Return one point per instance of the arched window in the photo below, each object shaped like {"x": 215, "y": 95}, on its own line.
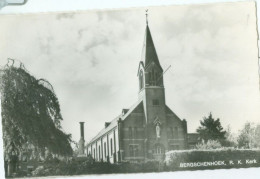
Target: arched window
{"x": 141, "y": 80}
{"x": 158, "y": 149}
{"x": 176, "y": 132}
{"x": 133, "y": 150}
{"x": 153, "y": 77}
{"x": 105, "y": 149}
{"x": 170, "y": 132}
{"x": 150, "y": 78}
{"x": 135, "y": 132}
{"x": 111, "y": 146}
{"x": 99, "y": 153}
{"x": 130, "y": 132}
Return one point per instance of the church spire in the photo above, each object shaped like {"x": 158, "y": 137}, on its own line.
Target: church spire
{"x": 150, "y": 72}
{"x": 149, "y": 54}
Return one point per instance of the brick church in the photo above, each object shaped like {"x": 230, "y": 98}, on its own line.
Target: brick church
{"x": 147, "y": 129}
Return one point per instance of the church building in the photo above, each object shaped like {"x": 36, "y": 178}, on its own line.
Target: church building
{"x": 149, "y": 128}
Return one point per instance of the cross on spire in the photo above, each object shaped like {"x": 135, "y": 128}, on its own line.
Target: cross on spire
{"x": 146, "y": 14}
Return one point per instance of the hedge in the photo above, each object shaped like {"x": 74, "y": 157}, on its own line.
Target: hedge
{"x": 87, "y": 167}
{"x": 175, "y": 160}
{"x": 212, "y": 159}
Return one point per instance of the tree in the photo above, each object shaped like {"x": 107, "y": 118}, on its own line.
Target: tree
{"x": 30, "y": 115}
{"x": 211, "y": 129}
{"x": 257, "y": 136}
{"x": 230, "y": 140}
{"x": 249, "y": 136}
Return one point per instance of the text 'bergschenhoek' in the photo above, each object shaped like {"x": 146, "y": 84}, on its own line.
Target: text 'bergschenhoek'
{"x": 218, "y": 163}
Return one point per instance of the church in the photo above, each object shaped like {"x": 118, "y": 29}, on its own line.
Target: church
{"x": 146, "y": 130}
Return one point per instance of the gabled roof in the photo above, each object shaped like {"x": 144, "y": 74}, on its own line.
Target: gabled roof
{"x": 169, "y": 111}
{"x": 114, "y": 122}
{"x": 141, "y": 65}
{"x": 106, "y": 129}
{"x": 149, "y": 54}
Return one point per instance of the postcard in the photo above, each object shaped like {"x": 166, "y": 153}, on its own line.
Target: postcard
{"x": 137, "y": 90}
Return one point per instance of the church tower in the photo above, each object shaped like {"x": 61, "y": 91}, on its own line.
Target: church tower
{"x": 150, "y": 75}
{"x": 152, "y": 93}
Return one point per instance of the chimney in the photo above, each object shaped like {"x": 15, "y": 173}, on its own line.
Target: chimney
{"x": 82, "y": 130}
{"x": 107, "y": 124}
{"x": 81, "y": 141}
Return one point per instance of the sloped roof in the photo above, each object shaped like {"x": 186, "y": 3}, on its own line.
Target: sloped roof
{"x": 169, "y": 111}
{"x": 114, "y": 122}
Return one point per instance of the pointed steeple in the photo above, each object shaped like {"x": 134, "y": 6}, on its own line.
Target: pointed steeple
{"x": 150, "y": 72}
{"x": 149, "y": 54}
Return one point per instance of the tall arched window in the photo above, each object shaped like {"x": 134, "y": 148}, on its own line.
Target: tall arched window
{"x": 176, "y": 132}
{"x": 141, "y": 80}
{"x": 105, "y": 150}
{"x": 135, "y": 132}
{"x": 111, "y": 146}
{"x": 158, "y": 149}
{"x": 131, "y": 150}
{"x": 170, "y": 132}
{"x": 153, "y": 77}
{"x": 130, "y": 132}
{"x": 99, "y": 153}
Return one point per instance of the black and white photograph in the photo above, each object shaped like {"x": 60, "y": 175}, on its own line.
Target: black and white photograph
{"x": 130, "y": 90}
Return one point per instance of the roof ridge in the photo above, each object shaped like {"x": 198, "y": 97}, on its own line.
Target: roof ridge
{"x": 112, "y": 122}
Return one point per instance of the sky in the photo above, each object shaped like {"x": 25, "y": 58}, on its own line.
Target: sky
{"x": 91, "y": 59}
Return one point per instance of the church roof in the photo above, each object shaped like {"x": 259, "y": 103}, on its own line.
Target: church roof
{"x": 169, "y": 111}
{"x": 113, "y": 123}
{"x": 149, "y": 54}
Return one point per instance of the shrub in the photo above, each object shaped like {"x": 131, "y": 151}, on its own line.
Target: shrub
{"x": 249, "y": 136}
{"x": 80, "y": 167}
{"x": 38, "y": 171}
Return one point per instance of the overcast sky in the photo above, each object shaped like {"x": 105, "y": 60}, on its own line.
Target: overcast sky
{"x": 91, "y": 59}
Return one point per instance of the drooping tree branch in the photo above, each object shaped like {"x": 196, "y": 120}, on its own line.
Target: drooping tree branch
{"x": 30, "y": 113}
